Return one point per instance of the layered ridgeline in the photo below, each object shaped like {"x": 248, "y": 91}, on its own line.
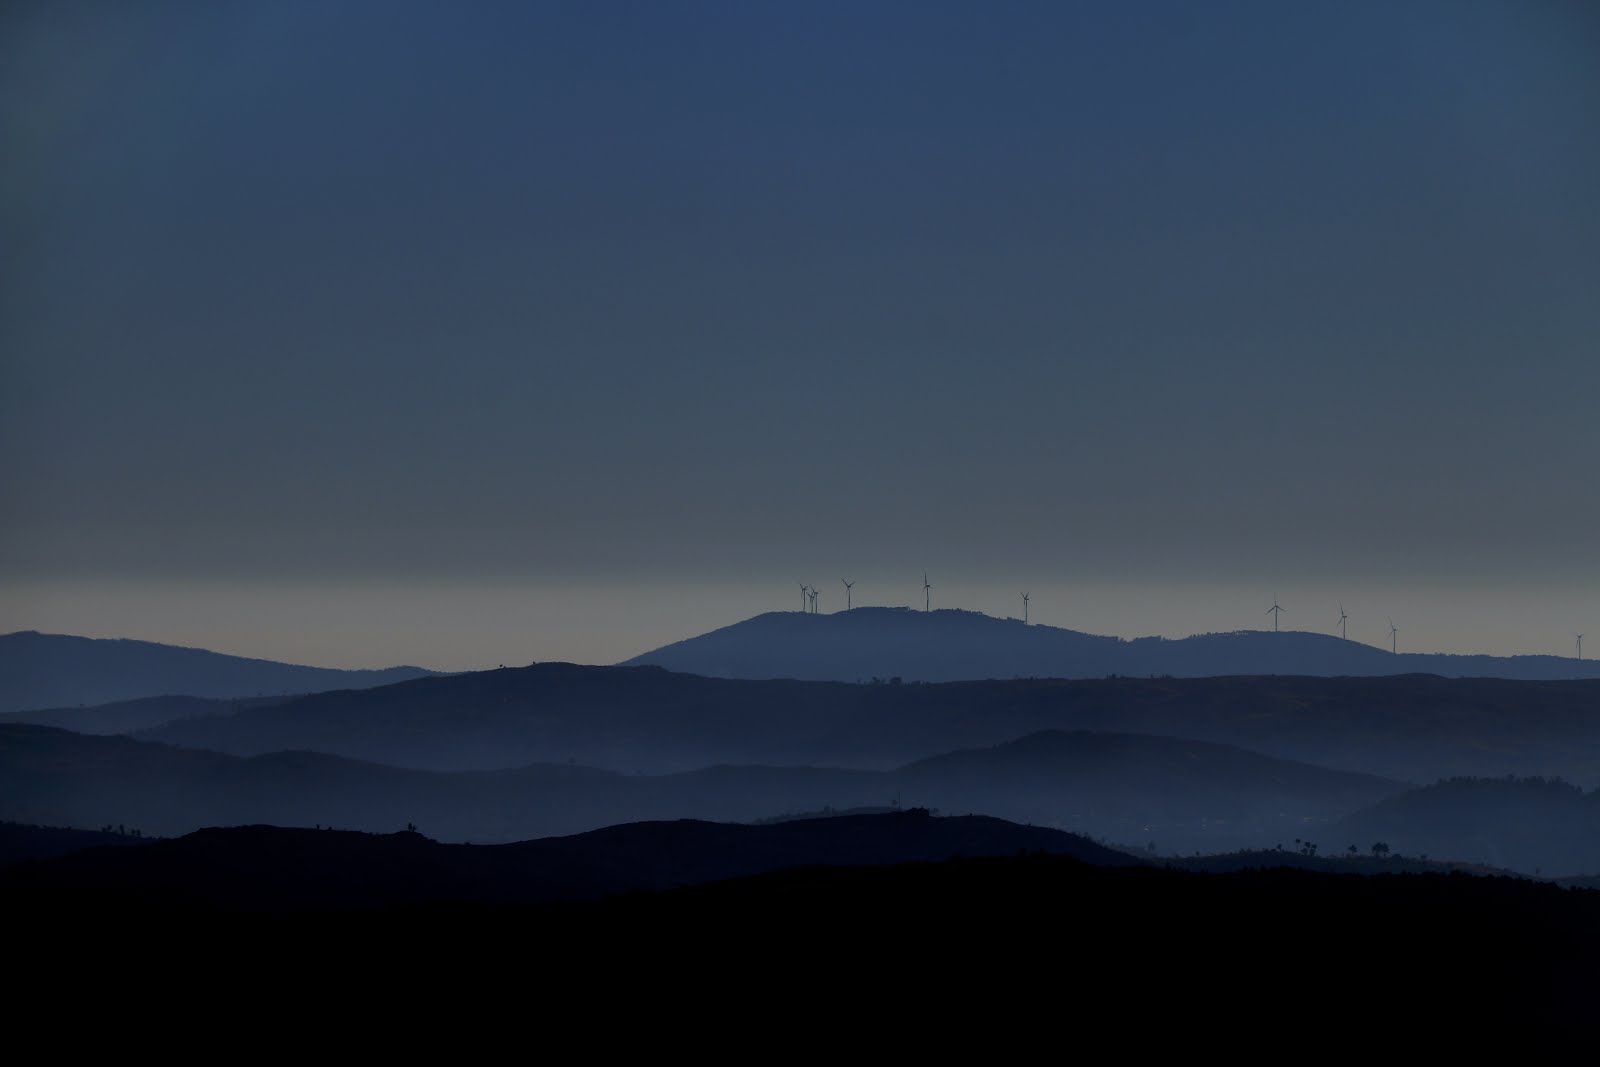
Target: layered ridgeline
{"x": 1416, "y": 728}
{"x": 57, "y": 671}
{"x": 280, "y": 869}
{"x": 1183, "y": 795}
{"x": 941, "y": 646}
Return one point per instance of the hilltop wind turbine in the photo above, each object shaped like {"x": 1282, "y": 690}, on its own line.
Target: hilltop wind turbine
{"x": 805, "y": 597}
{"x": 1024, "y": 609}
{"x": 1342, "y": 618}
{"x": 1274, "y": 611}
{"x": 1580, "y": 648}
{"x": 1394, "y": 633}
{"x": 813, "y": 595}
{"x": 927, "y": 594}
{"x": 847, "y": 586}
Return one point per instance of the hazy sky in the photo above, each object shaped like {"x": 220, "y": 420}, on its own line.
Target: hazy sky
{"x": 466, "y": 333}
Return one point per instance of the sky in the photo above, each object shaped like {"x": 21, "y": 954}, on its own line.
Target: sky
{"x": 362, "y": 333}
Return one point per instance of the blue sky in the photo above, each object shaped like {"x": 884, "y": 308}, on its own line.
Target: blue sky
{"x": 311, "y": 311}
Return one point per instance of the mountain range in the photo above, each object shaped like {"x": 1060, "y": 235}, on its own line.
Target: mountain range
{"x": 951, "y": 645}
{"x": 60, "y": 671}
{"x": 1181, "y": 795}
{"x": 1416, "y": 728}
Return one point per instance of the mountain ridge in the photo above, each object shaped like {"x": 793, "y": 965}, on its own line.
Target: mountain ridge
{"x": 956, "y": 645}
{"x": 1114, "y": 786}
{"x": 652, "y": 720}
{"x": 57, "y": 672}
{"x": 280, "y": 869}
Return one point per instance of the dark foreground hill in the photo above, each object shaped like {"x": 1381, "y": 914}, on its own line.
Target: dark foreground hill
{"x": 58, "y": 671}
{"x": 1182, "y": 795}
{"x": 970, "y": 955}
{"x": 947, "y": 646}
{"x": 21, "y": 842}
{"x": 1415, "y": 728}
{"x": 273, "y": 869}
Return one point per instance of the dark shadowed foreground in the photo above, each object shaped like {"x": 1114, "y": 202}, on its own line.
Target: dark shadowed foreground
{"x": 273, "y": 869}
{"x": 1004, "y": 950}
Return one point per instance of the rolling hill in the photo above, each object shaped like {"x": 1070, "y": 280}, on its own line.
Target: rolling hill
{"x": 950, "y": 645}
{"x": 1531, "y": 825}
{"x": 129, "y": 716}
{"x": 644, "y": 719}
{"x": 59, "y": 671}
{"x": 270, "y": 868}
{"x": 1184, "y": 795}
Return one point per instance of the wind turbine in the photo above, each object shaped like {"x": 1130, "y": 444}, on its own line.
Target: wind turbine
{"x": 1394, "y": 633}
{"x": 1024, "y": 609}
{"x": 1580, "y": 648}
{"x": 805, "y": 597}
{"x": 1342, "y": 617}
{"x": 847, "y": 586}
{"x": 1274, "y": 611}
{"x": 927, "y": 594}
{"x": 815, "y": 595}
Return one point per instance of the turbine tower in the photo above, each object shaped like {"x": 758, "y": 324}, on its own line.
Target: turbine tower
{"x": 1274, "y": 611}
{"x": 1394, "y": 633}
{"x": 847, "y": 586}
{"x": 927, "y": 594}
{"x": 1580, "y": 648}
{"x": 815, "y": 595}
{"x": 805, "y": 597}
{"x": 1342, "y": 618}
{"x": 1024, "y": 609}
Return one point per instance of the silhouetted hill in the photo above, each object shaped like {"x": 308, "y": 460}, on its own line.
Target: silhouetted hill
{"x": 954, "y": 953}
{"x": 269, "y": 868}
{"x": 949, "y": 645}
{"x": 1184, "y": 795}
{"x": 1414, "y": 728}
{"x": 56, "y": 671}
{"x": 1531, "y": 825}
{"x": 22, "y": 841}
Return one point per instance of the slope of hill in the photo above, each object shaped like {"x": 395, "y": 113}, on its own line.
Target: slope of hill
{"x": 1184, "y": 795}
{"x": 1134, "y": 787}
{"x": 20, "y": 842}
{"x": 1414, "y": 728}
{"x": 57, "y": 671}
{"x": 270, "y": 868}
{"x": 129, "y": 716}
{"x": 950, "y": 645}
{"x": 1531, "y": 825}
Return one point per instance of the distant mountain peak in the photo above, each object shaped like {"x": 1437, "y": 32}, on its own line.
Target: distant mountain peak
{"x": 954, "y": 644}
{"x": 48, "y": 671}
